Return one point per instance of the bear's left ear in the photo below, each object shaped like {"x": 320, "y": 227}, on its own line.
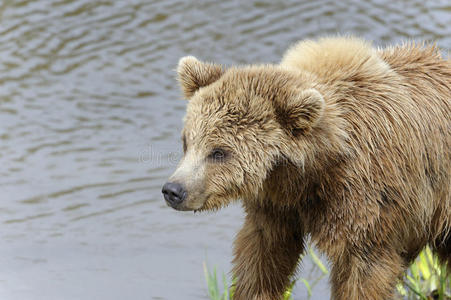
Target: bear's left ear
{"x": 194, "y": 74}
{"x": 301, "y": 111}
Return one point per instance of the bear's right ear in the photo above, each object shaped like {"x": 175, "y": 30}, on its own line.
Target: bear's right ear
{"x": 194, "y": 74}
{"x": 301, "y": 111}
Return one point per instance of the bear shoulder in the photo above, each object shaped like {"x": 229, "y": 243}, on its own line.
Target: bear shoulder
{"x": 336, "y": 58}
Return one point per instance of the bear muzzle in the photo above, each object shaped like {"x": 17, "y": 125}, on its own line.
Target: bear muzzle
{"x": 174, "y": 193}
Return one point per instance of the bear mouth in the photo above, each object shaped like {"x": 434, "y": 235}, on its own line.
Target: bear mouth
{"x": 185, "y": 205}
{"x": 203, "y": 207}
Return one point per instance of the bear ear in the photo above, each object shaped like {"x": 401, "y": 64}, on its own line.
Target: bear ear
{"x": 194, "y": 74}
{"x": 301, "y": 111}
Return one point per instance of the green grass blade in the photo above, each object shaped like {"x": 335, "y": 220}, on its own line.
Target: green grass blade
{"x": 401, "y": 290}
{"x": 287, "y": 295}
{"x": 442, "y": 284}
{"x": 427, "y": 251}
{"x": 318, "y": 262}
{"x": 415, "y": 272}
{"x": 215, "y": 282}
{"x": 416, "y": 291}
{"x": 225, "y": 295}
{"x": 424, "y": 266}
{"x": 307, "y": 285}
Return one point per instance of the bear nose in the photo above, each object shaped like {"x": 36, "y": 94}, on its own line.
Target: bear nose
{"x": 174, "y": 193}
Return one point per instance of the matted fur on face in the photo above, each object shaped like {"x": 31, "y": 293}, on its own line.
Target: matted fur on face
{"x": 223, "y": 156}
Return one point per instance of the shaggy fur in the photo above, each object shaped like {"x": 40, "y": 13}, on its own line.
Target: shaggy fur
{"x": 342, "y": 142}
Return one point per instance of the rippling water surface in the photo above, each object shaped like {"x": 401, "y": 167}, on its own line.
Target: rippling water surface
{"x": 90, "y": 116}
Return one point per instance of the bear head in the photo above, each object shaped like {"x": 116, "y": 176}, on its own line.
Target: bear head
{"x": 241, "y": 123}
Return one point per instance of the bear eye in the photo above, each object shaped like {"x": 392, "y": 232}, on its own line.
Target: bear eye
{"x": 217, "y": 154}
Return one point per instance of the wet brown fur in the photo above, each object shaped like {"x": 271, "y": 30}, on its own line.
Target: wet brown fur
{"x": 342, "y": 142}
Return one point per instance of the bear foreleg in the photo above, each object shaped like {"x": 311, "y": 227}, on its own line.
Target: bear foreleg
{"x": 266, "y": 251}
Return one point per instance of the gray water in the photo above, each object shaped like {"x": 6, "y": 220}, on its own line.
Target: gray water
{"x": 90, "y": 119}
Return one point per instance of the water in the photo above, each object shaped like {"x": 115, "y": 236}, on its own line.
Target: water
{"x": 90, "y": 119}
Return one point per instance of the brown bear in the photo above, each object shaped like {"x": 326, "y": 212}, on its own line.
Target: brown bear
{"x": 344, "y": 143}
